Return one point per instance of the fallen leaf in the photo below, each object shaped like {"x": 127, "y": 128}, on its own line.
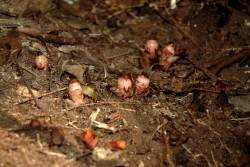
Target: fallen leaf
{"x": 90, "y": 92}
{"x": 76, "y": 70}
{"x": 14, "y": 40}
{"x": 23, "y": 91}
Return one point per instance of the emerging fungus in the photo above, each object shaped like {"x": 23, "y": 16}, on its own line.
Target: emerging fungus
{"x": 167, "y": 58}
{"x": 41, "y": 62}
{"x": 57, "y": 136}
{"x": 124, "y": 87}
{"x": 124, "y": 83}
{"x": 149, "y": 52}
{"x": 141, "y": 83}
{"x": 35, "y": 123}
{"x": 75, "y": 92}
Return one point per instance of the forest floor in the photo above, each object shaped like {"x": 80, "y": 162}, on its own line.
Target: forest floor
{"x": 196, "y": 113}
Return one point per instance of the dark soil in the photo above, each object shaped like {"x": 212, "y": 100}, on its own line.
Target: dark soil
{"x": 194, "y": 114}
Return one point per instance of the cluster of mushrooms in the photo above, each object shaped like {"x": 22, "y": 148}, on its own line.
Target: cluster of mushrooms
{"x": 151, "y": 54}
{"x": 124, "y": 89}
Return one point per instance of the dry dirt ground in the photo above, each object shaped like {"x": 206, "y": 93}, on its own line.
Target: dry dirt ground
{"x": 196, "y": 114}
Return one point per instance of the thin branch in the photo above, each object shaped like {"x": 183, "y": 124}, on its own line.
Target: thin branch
{"x": 124, "y": 53}
{"x": 46, "y": 94}
{"x": 214, "y": 62}
{"x": 52, "y": 153}
{"x": 76, "y": 158}
{"x": 228, "y": 61}
{"x": 169, "y": 159}
{"x": 203, "y": 89}
{"x": 170, "y": 19}
{"x": 239, "y": 119}
{"x": 99, "y": 103}
{"x": 26, "y": 69}
{"x": 209, "y": 73}
{"x": 27, "y": 85}
{"x": 215, "y": 163}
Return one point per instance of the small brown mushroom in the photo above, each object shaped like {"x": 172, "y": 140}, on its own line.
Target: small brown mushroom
{"x": 57, "y": 136}
{"x": 35, "y": 123}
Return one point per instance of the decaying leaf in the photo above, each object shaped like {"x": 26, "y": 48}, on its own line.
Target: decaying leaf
{"x": 76, "y": 70}
{"x": 14, "y": 40}
{"x": 88, "y": 57}
{"x": 29, "y": 31}
{"x": 78, "y": 24}
{"x": 23, "y": 91}
{"x": 4, "y": 52}
{"x": 76, "y": 8}
{"x": 92, "y": 117}
{"x": 90, "y": 92}
{"x": 7, "y": 23}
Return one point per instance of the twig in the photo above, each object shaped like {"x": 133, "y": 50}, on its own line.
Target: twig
{"x": 194, "y": 156}
{"x": 101, "y": 125}
{"x": 94, "y": 60}
{"x": 157, "y": 128}
{"x": 211, "y": 129}
{"x": 127, "y": 109}
{"x": 49, "y": 37}
{"x": 124, "y": 53}
{"x": 72, "y": 124}
{"x": 239, "y": 119}
{"x": 214, "y": 78}
{"x": 92, "y": 118}
{"x": 38, "y": 141}
{"x": 215, "y": 163}
{"x": 175, "y": 24}
{"x": 27, "y": 85}
{"x": 76, "y": 158}
{"x": 52, "y": 153}
{"x": 199, "y": 121}
{"x": 168, "y": 152}
{"x": 25, "y": 156}
{"x": 26, "y": 69}
{"x": 187, "y": 34}
{"x": 99, "y": 103}
{"x": 227, "y": 61}
{"x": 7, "y": 80}
{"x": 214, "y": 62}
{"x": 202, "y": 89}
{"x": 46, "y": 94}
